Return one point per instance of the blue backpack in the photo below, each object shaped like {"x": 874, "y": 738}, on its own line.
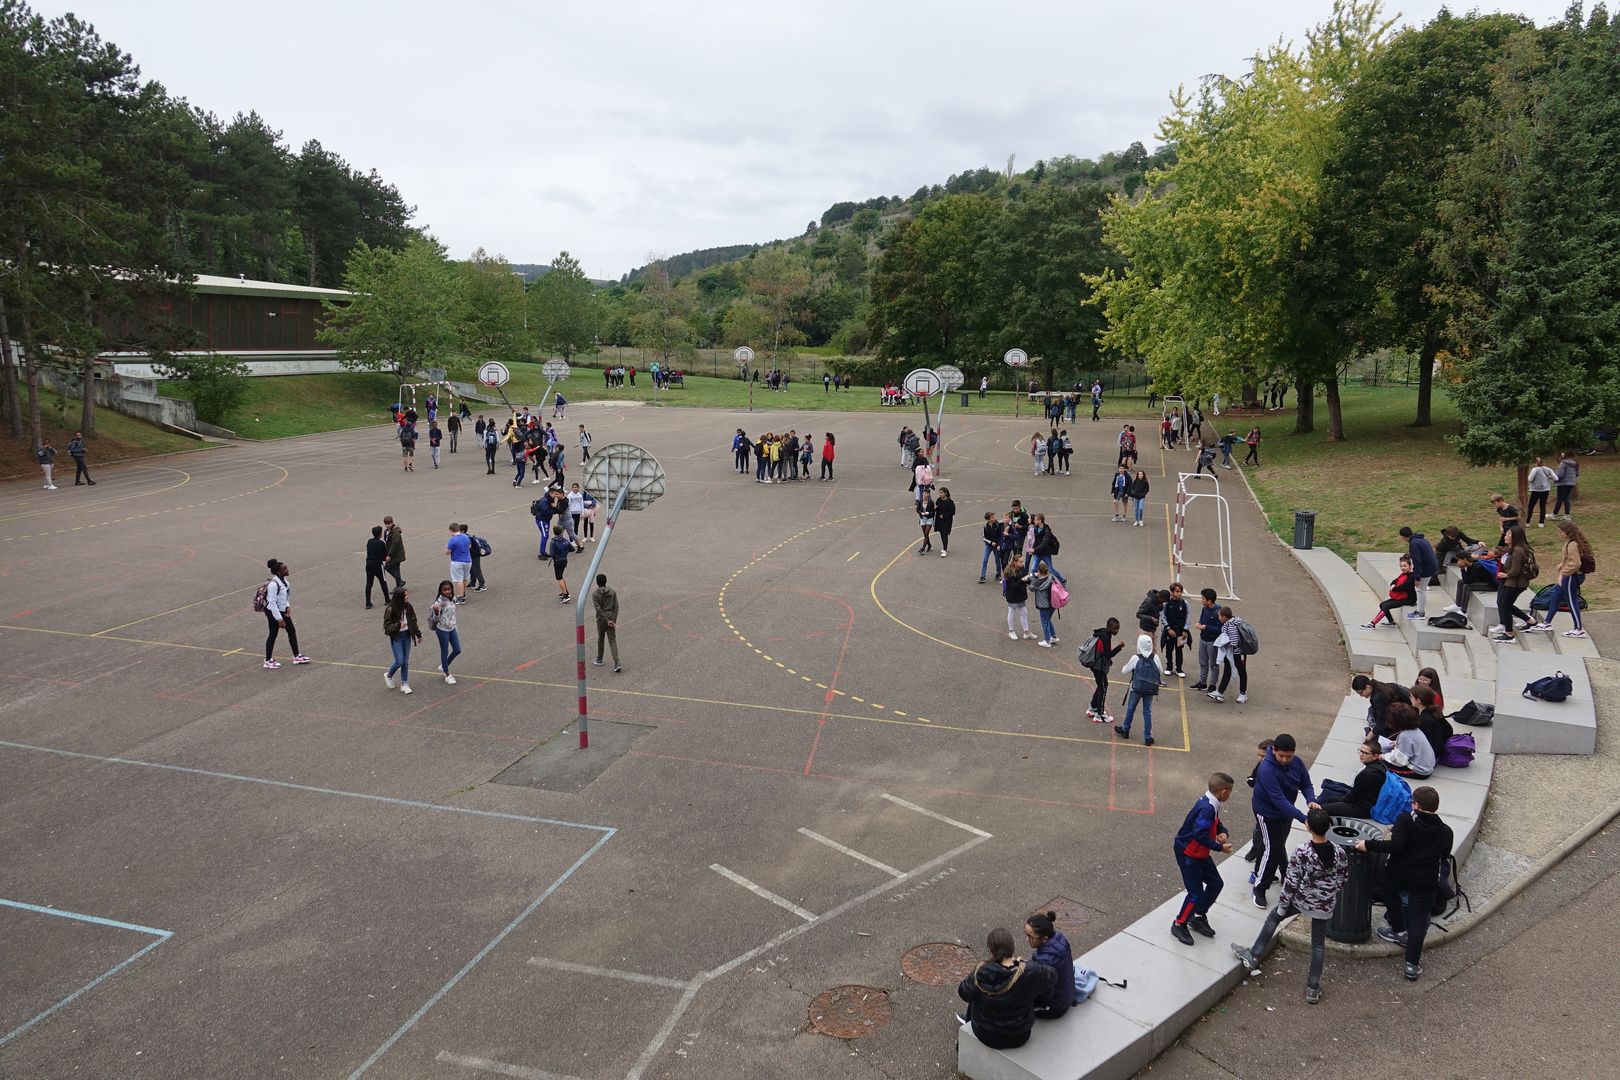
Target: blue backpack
{"x": 1145, "y": 676}
{"x": 1394, "y": 799}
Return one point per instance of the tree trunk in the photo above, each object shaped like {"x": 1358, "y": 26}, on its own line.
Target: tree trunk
{"x": 309, "y": 247}
{"x": 1425, "y": 380}
{"x": 87, "y": 379}
{"x": 1335, "y": 410}
{"x": 31, "y": 377}
{"x": 1522, "y": 484}
{"x": 1305, "y": 416}
{"x": 1250, "y": 393}
{"x": 8, "y": 376}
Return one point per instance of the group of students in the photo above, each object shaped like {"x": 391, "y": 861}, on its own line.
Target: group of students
{"x": 535, "y": 446}
{"x": 1406, "y": 726}
{"x": 1051, "y": 452}
{"x": 779, "y": 458}
{"x": 1505, "y": 570}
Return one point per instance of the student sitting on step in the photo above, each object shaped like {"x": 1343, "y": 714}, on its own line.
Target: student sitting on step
{"x": 1402, "y": 593}
{"x": 1379, "y": 695}
{"x": 1001, "y": 994}
{"x": 1365, "y": 787}
{"x": 1406, "y": 749}
{"x": 1478, "y": 569}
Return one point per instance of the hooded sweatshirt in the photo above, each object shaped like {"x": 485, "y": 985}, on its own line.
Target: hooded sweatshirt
{"x": 1144, "y": 651}
{"x": 1276, "y": 786}
{"x": 1415, "y": 848}
{"x": 1003, "y": 1000}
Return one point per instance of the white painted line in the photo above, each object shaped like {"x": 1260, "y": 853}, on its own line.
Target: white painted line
{"x": 938, "y": 817}
{"x": 852, "y": 853}
{"x": 608, "y": 973}
{"x": 779, "y": 901}
{"x": 499, "y": 1068}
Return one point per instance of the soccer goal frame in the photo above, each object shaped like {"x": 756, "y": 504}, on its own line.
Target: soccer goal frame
{"x": 1223, "y": 531}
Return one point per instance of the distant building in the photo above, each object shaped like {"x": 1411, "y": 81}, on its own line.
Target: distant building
{"x": 270, "y": 326}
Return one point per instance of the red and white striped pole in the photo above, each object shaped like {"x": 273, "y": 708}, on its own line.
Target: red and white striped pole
{"x": 1180, "y": 527}
{"x": 579, "y": 617}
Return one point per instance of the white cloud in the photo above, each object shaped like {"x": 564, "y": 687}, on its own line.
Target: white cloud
{"x": 615, "y": 128}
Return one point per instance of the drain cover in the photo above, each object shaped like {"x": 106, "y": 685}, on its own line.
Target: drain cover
{"x": 939, "y": 963}
{"x": 1071, "y": 914}
{"x": 850, "y": 1012}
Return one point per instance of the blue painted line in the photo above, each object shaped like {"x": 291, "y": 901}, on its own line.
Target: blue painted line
{"x": 92, "y": 984}
{"x": 413, "y": 803}
{"x": 80, "y": 917}
{"x": 496, "y": 940}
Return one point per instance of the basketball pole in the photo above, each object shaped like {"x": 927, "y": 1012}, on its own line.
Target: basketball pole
{"x": 579, "y": 615}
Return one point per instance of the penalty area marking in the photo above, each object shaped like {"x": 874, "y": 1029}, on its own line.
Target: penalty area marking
{"x": 759, "y": 890}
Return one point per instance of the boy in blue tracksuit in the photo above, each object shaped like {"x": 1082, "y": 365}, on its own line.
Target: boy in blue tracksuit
{"x": 1201, "y": 835}
{"x": 1278, "y": 782}
{"x": 1425, "y": 569}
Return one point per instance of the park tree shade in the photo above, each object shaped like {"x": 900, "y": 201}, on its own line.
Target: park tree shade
{"x": 492, "y": 323}
{"x": 406, "y": 313}
{"x": 563, "y": 309}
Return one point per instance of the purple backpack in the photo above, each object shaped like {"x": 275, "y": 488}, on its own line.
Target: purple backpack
{"x": 1459, "y": 752}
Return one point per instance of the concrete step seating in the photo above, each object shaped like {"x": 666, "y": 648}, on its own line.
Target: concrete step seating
{"x": 1353, "y": 602}
{"x": 1529, "y": 726}
{"x": 1378, "y": 569}
{"x": 1118, "y": 1032}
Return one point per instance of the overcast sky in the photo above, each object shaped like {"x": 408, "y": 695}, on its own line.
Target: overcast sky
{"x": 616, "y": 130}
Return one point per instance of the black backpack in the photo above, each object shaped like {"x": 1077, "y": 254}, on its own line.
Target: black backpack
{"x": 1556, "y": 687}
{"x": 537, "y": 508}
{"x": 1451, "y": 620}
{"x": 1474, "y": 714}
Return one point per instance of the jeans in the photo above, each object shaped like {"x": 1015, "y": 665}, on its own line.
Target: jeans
{"x": 759, "y": 468}
{"x": 1564, "y": 504}
{"x": 1568, "y": 588}
{"x": 392, "y": 567}
{"x": 1408, "y": 912}
{"x": 984, "y": 563}
{"x": 489, "y": 461}
{"x": 1047, "y": 559}
{"x": 449, "y": 648}
{"x": 433, "y": 452}
{"x": 402, "y": 657}
{"x": 1203, "y": 882}
{"x": 1138, "y": 503}
{"x": 1146, "y": 700}
{"x": 1047, "y": 633}
{"x": 522, "y": 468}
{"x": 1274, "y": 917}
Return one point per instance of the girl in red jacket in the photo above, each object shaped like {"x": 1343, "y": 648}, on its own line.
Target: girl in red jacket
{"x": 1402, "y": 593}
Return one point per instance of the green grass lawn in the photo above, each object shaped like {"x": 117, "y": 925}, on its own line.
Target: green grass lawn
{"x": 118, "y": 438}
{"x": 282, "y": 405}
{"x": 1387, "y": 474}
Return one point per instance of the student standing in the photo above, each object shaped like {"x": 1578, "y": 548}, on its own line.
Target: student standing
{"x": 1542, "y": 481}
{"x": 1278, "y": 782}
{"x": 435, "y": 440}
{"x": 584, "y": 446}
{"x": 492, "y": 443}
{"x": 1044, "y": 544}
{"x": 1317, "y": 873}
{"x": 459, "y": 548}
{"x": 1253, "y": 439}
{"x": 278, "y": 613}
{"x": 376, "y": 555}
{"x": 76, "y": 450}
{"x": 605, "y": 602}
{"x": 827, "y": 452}
{"x": 1518, "y": 569}
{"x": 1568, "y": 475}
{"x": 1575, "y": 562}
{"x": 475, "y": 546}
{"x": 1142, "y": 670}
{"x": 1105, "y": 651}
{"x": 925, "y": 518}
{"x": 1417, "y": 844}
{"x": 1040, "y": 583}
{"x": 1425, "y": 569}
{"x": 1209, "y": 639}
{"x": 992, "y": 545}
{"x": 1037, "y": 452}
{"x": 1173, "y": 638}
{"x": 1119, "y": 488}
{"x": 1200, "y": 836}
{"x": 453, "y": 425}
{"x": 740, "y": 451}
{"x": 442, "y": 621}
{"x": 394, "y": 538}
{"x": 403, "y": 631}
{"x": 1139, "y": 492}
{"x": 1232, "y": 657}
{"x": 1015, "y": 590}
{"x": 407, "y": 445}
{"x": 944, "y": 518}
{"x": 1507, "y": 515}
{"x": 46, "y": 456}
{"x": 560, "y": 549}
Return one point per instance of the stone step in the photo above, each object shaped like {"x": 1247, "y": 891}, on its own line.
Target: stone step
{"x": 1456, "y": 661}
{"x": 1528, "y": 726}
{"x": 1352, "y": 603}
{"x": 1434, "y": 658}
{"x": 1482, "y": 657}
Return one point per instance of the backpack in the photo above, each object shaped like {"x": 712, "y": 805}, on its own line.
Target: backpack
{"x": 43, "y": 456}
{"x": 1090, "y": 652}
{"x": 1052, "y": 536}
{"x": 481, "y": 546}
{"x": 1543, "y": 600}
{"x": 1248, "y": 640}
{"x": 1060, "y": 595}
{"x": 1145, "y": 676}
{"x": 1448, "y": 889}
{"x": 1588, "y": 564}
{"x": 261, "y": 597}
{"x": 1451, "y": 620}
{"x": 1085, "y": 983}
{"x": 1394, "y": 799}
{"x": 1550, "y": 688}
{"x": 1474, "y": 714}
{"x": 1532, "y": 569}
{"x": 490, "y": 438}
{"x": 1458, "y": 752}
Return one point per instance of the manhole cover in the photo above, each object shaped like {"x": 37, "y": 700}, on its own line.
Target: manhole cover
{"x": 1071, "y": 915}
{"x": 850, "y": 1012}
{"x": 939, "y": 963}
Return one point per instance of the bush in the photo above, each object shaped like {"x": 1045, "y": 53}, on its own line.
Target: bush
{"x": 218, "y": 384}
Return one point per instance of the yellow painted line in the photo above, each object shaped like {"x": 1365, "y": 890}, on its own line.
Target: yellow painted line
{"x": 856, "y": 697}
{"x": 233, "y": 652}
{"x": 199, "y": 603}
{"x": 852, "y": 557}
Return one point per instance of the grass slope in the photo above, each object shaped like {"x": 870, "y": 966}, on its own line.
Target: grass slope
{"x": 282, "y": 405}
{"x": 1388, "y": 474}
{"x": 118, "y": 438}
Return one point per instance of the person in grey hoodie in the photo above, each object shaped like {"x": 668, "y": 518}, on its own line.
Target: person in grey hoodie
{"x": 1565, "y": 479}
{"x": 1316, "y": 875}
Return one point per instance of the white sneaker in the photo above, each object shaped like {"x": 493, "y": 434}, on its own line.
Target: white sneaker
{"x": 1497, "y": 629}
{"x": 1044, "y": 644}
{"x": 1455, "y": 610}
{"x": 1242, "y": 697}
{"x": 1416, "y": 615}
{"x": 942, "y": 554}
{"x": 1215, "y": 695}
{"x": 1369, "y": 626}
{"x": 1029, "y": 636}
{"x": 450, "y": 680}
{"x": 1056, "y": 640}
{"x": 405, "y": 688}
{"x": 1012, "y": 635}
{"x": 272, "y": 664}
{"x": 388, "y": 680}
{"x": 1574, "y": 633}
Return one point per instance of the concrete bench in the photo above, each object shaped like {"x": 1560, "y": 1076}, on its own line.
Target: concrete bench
{"x": 1381, "y": 567}
{"x": 1527, "y": 726}
{"x": 1353, "y": 602}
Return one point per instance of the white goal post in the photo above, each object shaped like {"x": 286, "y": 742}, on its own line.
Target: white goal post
{"x": 1223, "y": 531}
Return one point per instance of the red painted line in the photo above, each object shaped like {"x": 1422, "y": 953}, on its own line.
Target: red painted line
{"x": 527, "y": 664}
{"x": 20, "y": 614}
{"x": 832, "y": 681}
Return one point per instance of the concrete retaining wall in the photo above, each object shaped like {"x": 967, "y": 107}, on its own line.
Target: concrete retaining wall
{"x": 139, "y": 399}
{"x": 322, "y": 363}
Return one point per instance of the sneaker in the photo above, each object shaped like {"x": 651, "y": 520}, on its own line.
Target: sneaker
{"x": 300, "y": 659}
{"x": 1044, "y": 644}
{"x": 388, "y": 680}
{"x": 1122, "y": 731}
{"x": 1455, "y": 610}
{"x": 1200, "y": 925}
{"x": 461, "y": 599}
{"x": 1029, "y": 636}
{"x": 1199, "y": 685}
{"x": 565, "y": 598}
{"x": 1501, "y": 637}
{"x": 1147, "y": 741}
{"x": 981, "y": 581}
{"x": 617, "y": 669}
{"x": 1180, "y": 932}
{"x": 1369, "y": 626}
{"x": 1258, "y": 899}
{"x": 449, "y": 680}
{"x": 942, "y": 554}
{"x": 1242, "y": 698}
{"x": 1392, "y": 936}
{"x": 405, "y": 688}
{"x": 478, "y": 588}
{"x": 1497, "y": 629}
{"x": 1412, "y": 971}
{"x": 1541, "y": 627}
{"x": 1416, "y": 615}
{"x": 272, "y": 664}
{"x": 1058, "y": 639}
{"x": 1107, "y": 717}
{"x": 1012, "y": 635}
{"x": 1215, "y": 695}
{"x": 1246, "y": 958}
{"x": 1181, "y": 674}
{"x": 1313, "y": 995}
{"x": 596, "y": 663}
{"x": 1254, "y": 875}
{"x": 1575, "y": 633}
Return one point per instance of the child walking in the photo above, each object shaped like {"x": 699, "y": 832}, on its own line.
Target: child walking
{"x": 1316, "y": 875}
{"x": 442, "y": 621}
{"x": 1103, "y": 652}
{"x": 1201, "y": 835}
{"x": 1015, "y": 588}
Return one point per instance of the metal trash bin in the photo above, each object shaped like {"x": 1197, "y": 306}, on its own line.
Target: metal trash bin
{"x": 1304, "y": 529}
{"x": 1352, "y": 917}
{"x": 964, "y": 401}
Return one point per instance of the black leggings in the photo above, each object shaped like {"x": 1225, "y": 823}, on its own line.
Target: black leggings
{"x": 1241, "y": 662}
{"x": 826, "y": 469}
{"x": 1099, "y": 697}
{"x": 944, "y": 535}
{"x": 1536, "y": 497}
{"x": 270, "y": 638}
{"x": 1507, "y": 607}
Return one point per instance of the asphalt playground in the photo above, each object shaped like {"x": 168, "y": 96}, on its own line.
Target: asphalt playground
{"x": 823, "y": 753}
